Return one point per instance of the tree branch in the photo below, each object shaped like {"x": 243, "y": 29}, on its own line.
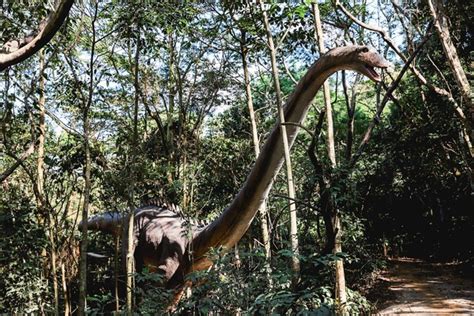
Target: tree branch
{"x": 419, "y": 76}
{"x": 387, "y": 96}
{"x": 20, "y": 50}
{"x": 18, "y": 161}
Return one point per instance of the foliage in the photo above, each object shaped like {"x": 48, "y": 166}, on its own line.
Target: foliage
{"x": 227, "y": 288}
{"x": 23, "y": 242}
{"x": 409, "y": 193}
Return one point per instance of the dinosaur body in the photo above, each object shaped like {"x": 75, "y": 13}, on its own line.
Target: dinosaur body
{"x": 161, "y": 242}
{"x": 162, "y": 237}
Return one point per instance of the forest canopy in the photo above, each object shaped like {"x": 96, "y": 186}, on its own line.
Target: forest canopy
{"x": 141, "y": 144}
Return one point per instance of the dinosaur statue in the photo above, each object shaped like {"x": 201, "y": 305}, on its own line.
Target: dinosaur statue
{"x": 162, "y": 242}
{"x": 161, "y": 233}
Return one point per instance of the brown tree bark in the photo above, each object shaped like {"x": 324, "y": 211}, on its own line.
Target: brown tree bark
{"x": 67, "y": 307}
{"x": 117, "y": 273}
{"x": 319, "y": 37}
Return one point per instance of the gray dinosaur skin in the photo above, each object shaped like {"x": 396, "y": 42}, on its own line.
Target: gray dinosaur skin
{"x": 162, "y": 243}
{"x": 162, "y": 238}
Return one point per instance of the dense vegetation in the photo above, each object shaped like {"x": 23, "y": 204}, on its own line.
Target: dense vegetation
{"x": 133, "y": 100}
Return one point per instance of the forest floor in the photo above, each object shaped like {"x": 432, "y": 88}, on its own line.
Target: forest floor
{"x": 415, "y": 287}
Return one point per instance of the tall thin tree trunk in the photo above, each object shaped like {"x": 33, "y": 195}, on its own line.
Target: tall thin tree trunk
{"x": 256, "y": 144}
{"x": 319, "y": 37}
{"x": 186, "y": 181}
{"x": 85, "y": 215}
{"x": 295, "y": 263}
{"x": 350, "y": 106}
{"x": 133, "y": 179}
{"x": 67, "y": 307}
{"x": 40, "y": 182}
{"x": 129, "y": 261}
{"x": 87, "y": 175}
{"x": 116, "y": 273}
{"x": 341, "y": 295}
{"x": 171, "y": 85}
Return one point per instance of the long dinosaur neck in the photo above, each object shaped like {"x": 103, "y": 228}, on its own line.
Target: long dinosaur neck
{"x": 232, "y": 224}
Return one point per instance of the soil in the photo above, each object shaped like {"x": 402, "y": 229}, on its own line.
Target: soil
{"x": 415, "y": 287}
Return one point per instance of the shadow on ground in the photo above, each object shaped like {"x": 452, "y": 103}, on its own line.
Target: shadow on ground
{"x": 411, "y": 286}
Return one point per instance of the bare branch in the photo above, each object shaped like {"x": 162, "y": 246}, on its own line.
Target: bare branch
{"x": 467, "y": 124}
{"x": 387, "y": 96}
{"x": 288, "y": 72}
{"x": 18, "y": 162}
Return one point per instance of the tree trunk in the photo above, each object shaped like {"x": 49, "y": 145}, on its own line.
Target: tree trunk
{"x": 319, "y": 37}
{"x": 256, "y": 144}
{"x": 85, "y": 215}
{"x": 350, "y": 107}
{"x": 40, "y": 182}
{"x": 67, "y": 307}
{"x": 295, "y": 263}
{"x": 133, "y": 178}
{"x": 341, "y": 296}
{"x": 171, "y": 85}
{"x": 87, "y": 175}
{"x": 129, "y": 261}
{"x": 117, "y": 273}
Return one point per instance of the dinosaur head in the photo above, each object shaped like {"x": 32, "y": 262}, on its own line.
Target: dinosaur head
{"x": 364, "y": 60}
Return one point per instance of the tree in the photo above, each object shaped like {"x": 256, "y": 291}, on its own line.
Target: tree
{"x": 418, "y": 75}
{"x": 441, "y": 25}
{"x": 341, "y": 295}
{"x": 176, "y": 99}
{"x": 286, "y": 148}
{"x": 256, "y": 143}
{"x": 40, "y": 182}
{"x": 86, "y": 106}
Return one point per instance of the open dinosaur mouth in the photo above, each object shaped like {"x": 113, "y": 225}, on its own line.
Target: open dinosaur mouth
{"x": 372, "y": 73}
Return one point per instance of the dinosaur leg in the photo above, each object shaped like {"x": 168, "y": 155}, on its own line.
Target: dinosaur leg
{"x": 178, "y": 295}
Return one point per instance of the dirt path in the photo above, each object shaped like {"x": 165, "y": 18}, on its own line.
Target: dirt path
{"x": 415, "y": 287}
